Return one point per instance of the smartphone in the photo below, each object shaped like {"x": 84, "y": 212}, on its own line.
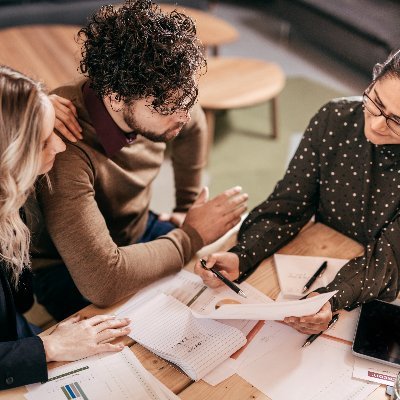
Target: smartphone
{"x": 377, "y": 334}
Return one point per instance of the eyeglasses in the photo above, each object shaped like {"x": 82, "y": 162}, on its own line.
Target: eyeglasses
{"x": 376, "y": 111}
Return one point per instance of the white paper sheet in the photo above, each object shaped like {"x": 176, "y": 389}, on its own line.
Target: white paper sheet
{"x": 279, "y": 367}
{"x": 167, "y": 328}
{"x": 117, "y": 376}
{"x": 269, "y": 311}
{"x": 294, "y": 272}
{"x": 374, "y": 372}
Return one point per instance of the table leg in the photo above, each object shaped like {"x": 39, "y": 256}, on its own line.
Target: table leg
{"x": 274, "y": 117}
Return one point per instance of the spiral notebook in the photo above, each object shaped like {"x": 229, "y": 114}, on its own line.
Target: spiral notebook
{"x": 167, "y": 328}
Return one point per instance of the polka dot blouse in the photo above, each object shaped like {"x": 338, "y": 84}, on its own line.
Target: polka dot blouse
{"x": 349, "y": 184}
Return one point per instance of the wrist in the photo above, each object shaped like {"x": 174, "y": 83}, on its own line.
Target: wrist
{"x": 50, "y": 348}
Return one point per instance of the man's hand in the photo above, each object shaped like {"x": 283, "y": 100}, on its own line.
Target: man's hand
{"x": 312, "y": 324}
{"x": 227, "y": 263}
{"x": 213, "y": 218}
{"x": 66, "y": 118}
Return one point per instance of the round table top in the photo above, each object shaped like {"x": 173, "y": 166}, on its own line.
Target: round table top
{"x": 239, "y": 82}
{"x": 47, "y": 53}
{"x": 211, "y": 30}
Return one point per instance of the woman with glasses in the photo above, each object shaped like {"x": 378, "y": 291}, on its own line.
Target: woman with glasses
{"x": 346, "y": 172}
{"x": 28, "y": 146}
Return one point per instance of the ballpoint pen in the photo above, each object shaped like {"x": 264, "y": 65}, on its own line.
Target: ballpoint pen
{"x": 227, "y": 282}
{"x": 317, "y": 274}
{"x": 311, "y": 338}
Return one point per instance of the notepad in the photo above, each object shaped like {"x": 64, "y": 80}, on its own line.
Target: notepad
{"x": 167, "y": 328}
{"x": 295, "y": 271}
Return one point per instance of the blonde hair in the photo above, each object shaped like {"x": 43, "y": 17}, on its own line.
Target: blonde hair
{"x": 21, "y": 117}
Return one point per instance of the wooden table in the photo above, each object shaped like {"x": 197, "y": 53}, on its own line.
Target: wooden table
{"x": 47, "y": 53}
{"x": 212, "y": 31}
{"x": 315, "y": 240}
{"x": 232, "y": 82}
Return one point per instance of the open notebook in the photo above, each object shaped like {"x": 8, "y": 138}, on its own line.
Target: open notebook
{"x": 167, "y": 328}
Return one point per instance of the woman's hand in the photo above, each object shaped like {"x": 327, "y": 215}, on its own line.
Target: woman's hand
{"x": 312, "y": 324}
{"x": 227, "y": 263}
{"x": 75, "y": 338}
{"x": 66, "y": 118}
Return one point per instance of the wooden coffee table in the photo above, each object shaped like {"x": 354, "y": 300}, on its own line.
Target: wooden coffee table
{"x": 212, "y": 31}
{"x": 47, "y": 53}
{"x": 240, "y": 82}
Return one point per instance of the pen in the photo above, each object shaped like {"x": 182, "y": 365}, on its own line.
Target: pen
{"x": 318, "y": 273}
{"x": 311, "y": 338}
{"x": 227, "y": 282}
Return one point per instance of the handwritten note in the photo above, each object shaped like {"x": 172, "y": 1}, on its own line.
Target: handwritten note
{"x": 167, "y": 328}
{"x": 295, "y": 271}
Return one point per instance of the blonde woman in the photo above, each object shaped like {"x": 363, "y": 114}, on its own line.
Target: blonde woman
{"x": 28, "y": 147}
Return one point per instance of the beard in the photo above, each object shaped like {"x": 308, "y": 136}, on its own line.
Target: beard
{"x": 164, "y": 137}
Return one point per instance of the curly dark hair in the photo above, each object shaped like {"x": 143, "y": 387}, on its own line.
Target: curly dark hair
{"x": 136, "y": 51}
{"x": 389, "y": 68}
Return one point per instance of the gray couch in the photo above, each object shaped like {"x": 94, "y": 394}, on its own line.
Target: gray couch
{"x": 74, "y": 12}
{"x": 360, "y": 32}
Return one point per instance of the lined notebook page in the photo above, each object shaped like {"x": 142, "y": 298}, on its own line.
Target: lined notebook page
{"x": 167, "y": 328}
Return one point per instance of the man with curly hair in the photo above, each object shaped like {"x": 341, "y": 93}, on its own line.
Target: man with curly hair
{"x": 102, "y": 242}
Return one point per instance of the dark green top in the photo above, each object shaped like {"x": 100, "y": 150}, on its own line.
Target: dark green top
{"x": 349, "y": 184}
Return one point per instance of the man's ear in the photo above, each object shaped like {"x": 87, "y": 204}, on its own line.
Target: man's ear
{"x": 114, "y": 101}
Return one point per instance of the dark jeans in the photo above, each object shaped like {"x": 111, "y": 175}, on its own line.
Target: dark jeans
{"x": 57, "y": 292}
{"x": 24, "y": 328}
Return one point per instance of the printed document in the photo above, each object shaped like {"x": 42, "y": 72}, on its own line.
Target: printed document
{"x": 117, "y": 376}
{"x": 278, "y": 366}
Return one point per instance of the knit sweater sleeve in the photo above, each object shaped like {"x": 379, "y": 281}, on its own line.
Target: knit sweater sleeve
{"x": 188, "y": 155}
{"x": 293, "y": 202}
{"x": 373, "y": 275}
{"x": 82, "y": 239}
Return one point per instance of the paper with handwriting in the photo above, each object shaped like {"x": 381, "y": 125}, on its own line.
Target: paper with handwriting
{"x": 167, "y": 327}
{"x": 295, "y": 271}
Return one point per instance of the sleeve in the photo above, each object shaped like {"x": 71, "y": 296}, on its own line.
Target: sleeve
{"x": 80, "y": 234}
{"x": 22, "y": 362}
{"x": 293, "y": 202}
{"x": 188, "y": 155}
{"x": 373, "y": 275}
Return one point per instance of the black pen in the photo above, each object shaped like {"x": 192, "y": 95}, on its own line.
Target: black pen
{"x": 311, "y": 338}
{"x": 318, "y": 273}
{"x": 227, "y": 282}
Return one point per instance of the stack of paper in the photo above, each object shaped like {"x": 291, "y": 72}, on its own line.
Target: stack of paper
{"x": 167, "y": 327}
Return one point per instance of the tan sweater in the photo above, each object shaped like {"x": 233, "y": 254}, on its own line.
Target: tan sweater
{"x": 98, "y": 207}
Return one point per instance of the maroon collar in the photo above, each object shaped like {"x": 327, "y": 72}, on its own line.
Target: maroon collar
{"x": 111, "y": 136}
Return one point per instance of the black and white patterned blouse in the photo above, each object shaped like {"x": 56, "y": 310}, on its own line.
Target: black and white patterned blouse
{"x": 349, "y": 184}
